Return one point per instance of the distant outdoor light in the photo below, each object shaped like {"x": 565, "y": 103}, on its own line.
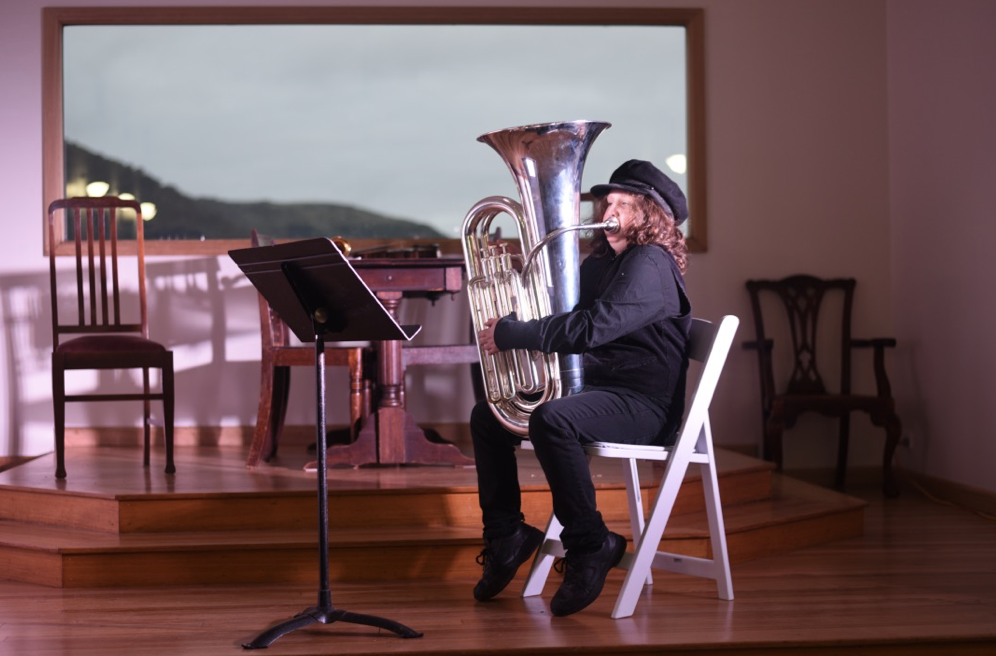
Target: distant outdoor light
{"x": 126, "y": 213}
{"x": 97, "y": 189}
{"x": 148, "y": 211}
{"x": 677, "y": 163}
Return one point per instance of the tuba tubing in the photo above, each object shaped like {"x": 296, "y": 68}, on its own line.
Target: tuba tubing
{"x": 546, "y": 161}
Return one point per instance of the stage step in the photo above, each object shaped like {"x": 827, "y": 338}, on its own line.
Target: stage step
{"x": 384, "y": 525}
{"x": 279, "y": 499}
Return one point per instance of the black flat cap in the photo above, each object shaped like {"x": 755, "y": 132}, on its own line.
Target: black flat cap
{"x": 639, "y": 177}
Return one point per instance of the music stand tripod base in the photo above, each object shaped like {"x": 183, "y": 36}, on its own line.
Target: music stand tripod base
{"x": 317, "y": 293}
{"x": 324, "y": 612}
{"x": 327, "y": 614}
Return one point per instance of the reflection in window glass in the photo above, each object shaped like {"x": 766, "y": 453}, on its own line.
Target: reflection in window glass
{"x": 358, "y": 130}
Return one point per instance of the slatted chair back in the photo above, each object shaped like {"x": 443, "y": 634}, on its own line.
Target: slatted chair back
{"x": 93, "y": 226}
{"x": 274, "y": 332}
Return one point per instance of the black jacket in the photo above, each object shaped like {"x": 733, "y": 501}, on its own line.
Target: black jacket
{"x": 631, "y": 324}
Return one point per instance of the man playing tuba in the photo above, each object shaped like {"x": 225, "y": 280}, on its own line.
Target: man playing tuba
{"x": 630, "y": 326}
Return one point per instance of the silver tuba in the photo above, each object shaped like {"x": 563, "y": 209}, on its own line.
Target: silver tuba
{"x": 546, "y": 161}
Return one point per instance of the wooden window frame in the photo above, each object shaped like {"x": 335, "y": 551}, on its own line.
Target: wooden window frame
{"x": 54, "y": 19}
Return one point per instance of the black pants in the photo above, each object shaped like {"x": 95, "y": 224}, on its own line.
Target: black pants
{"x": 557, "y": 430}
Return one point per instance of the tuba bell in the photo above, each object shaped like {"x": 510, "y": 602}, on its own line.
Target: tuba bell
{"x": 546, "y": 161}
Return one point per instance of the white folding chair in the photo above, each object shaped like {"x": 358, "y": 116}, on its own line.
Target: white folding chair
{"x": 709, "y": 344}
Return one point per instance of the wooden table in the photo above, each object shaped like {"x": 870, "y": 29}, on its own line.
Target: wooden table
{"x": 390, "y": 435}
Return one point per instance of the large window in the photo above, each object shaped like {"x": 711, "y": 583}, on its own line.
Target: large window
{"x": 348, "y": 121}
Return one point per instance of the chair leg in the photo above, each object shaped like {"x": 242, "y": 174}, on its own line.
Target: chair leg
{"x": 842, "y": 448}
{"x": 717, "y": 529}
{"x": 261, "y": 435}
{"x": 281, "y": 394}
{"x": 765, "y": 447}
{"x": 146, "y": 417}
{"x": 169, "y": 402}
{"x": 893, "y": 431}
{"x": 359, "y": 392}
{"x": 773, "y": 430}
{"x": 59, "y": 403}
{"x": 634, "y": 495}
{"x": 550, "y": 549}
{"x": 646, "y": 545}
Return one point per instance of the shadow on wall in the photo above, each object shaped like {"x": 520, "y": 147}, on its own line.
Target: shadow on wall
{"x": 27, "y": 347}
{"x": 206, "y": 312}
{"x": 439, "y": 393}
{"x": 208, "y": 317}
{"x": 189, "y": 304}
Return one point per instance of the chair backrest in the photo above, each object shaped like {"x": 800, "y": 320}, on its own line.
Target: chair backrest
{"x": 802, "y": 297}
{"x": 92, "y": 224}
{"x": 272, "y": 329}
{"x": 708, "y": 343}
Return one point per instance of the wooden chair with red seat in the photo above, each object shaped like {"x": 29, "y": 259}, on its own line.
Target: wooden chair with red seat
{"x": 802, "y": 297}
{"x": 102, "y": 334}
{"x": 278, "y": 355}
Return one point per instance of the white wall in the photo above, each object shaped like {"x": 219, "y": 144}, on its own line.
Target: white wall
{"x": 804, "y": 140}
{"x": 942, "y": 154}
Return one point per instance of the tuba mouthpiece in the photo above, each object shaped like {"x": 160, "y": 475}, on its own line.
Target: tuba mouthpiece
{"x": 611, "y": 225}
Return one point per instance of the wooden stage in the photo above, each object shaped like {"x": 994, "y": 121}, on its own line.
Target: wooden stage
{"x": 119, "y": 560}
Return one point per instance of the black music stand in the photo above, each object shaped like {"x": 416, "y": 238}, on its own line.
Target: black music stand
{"x": 312, "y": 287}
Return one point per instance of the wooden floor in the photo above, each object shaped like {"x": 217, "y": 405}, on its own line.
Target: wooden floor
{"x": 920, "y": 580}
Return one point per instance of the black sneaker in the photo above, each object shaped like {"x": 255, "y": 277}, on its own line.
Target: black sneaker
{"x": 585, "y": 576}
{"x": 501, "y": 559}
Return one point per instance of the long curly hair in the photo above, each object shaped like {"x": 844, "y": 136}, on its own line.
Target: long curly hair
{"x": 652, "y": 225}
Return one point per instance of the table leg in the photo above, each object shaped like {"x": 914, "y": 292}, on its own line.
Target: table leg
{"x": 390, "y": 435}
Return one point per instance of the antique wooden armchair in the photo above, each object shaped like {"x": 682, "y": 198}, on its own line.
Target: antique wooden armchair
{"x": 802, "y": 297}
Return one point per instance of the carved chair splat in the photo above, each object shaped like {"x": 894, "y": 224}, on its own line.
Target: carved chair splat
{"x": 802, "y": 297}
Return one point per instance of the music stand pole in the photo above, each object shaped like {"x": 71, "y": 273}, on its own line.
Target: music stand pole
{"x": 324, "y": 612}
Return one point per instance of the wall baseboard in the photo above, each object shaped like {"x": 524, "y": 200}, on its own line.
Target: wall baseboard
{"x": 182, "y": 435}
{"x": 942, "y": 491}
{"x": 970, "y": 498}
